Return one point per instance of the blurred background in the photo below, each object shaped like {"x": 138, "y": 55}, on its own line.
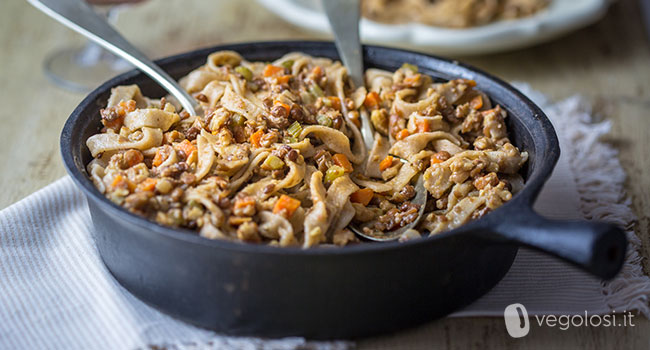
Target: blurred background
{"x": 608, "y": 61}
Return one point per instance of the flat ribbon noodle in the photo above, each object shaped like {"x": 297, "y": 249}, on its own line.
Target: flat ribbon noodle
{"x": 125, "y": 93}
{"x": 305, "y": 147}
{"x": 378, "y": 152}
{"x": 404, "y": 108}
{"x": 345, "y": 217}
{"x": 231, "y": 159}
{"x": 359, "y": 146}
{"x": 395, "y": 184}
{"x": 463, "y": 210}
{"x": 201, "y": 195}
{"x": 99, "y": 143}
{"x": 316, "y": 218}
{"x": 150, "y": 117}
{"x": 223, "y": 58}
{"x": 293, "y": 177}
{"x": 376, "y": 79}
{"x": 211, "y": 232}
{"x": 97, "y": 172}
{"x": 235, "y": 103}
{"x": 338, "y": 195}
{"x": 171, "y": 159}
{"x": 206, "y": 157}
{"x": 417, "y": 142}
{"x": 197, "y": 80}
{"x": 246, "y": 173}
{"x": 214, "y": 90}
{"x": 333, "y": 139}
{"x": 276, "y": 226}
{"x": 447, "y": 146}
{"x": 436, "y": 123}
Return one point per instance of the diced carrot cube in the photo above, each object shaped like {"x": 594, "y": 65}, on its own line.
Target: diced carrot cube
{"x": 283, "y": 105}
{"x": 476, "y": 102}
{"x": 386, "y": 163}
{"x": 271, "y": 70}
{"x": 354, "y": 118}
{"x": 286, "y": 206}
{"x": 422, "y": 125}
{"x": 471, "y": 83}
{"x": 187, "y": 147}
{"x": 283, "y": 79}
{"x": 256, "y": 137}
{"x": 244, "y": 202}
{"x": 121, "y": 182}
{"x": 342, "y": 161}
{"x": 118, "y": 181}
{"x": 402, "y": 134}
{"x": 149, "y": 184}
{"x": 362, "y": 196}
{"x": 336, "y": 102}
{"x": 413, "y": 80}
{"x": 133, "y": 157}
{"x": 317, "y": 72}
{"x": 372, "y": 100}
{"x": 158, "y": 158}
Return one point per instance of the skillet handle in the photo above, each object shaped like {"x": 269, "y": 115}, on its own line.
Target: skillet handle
{"x": 596, "y": 247}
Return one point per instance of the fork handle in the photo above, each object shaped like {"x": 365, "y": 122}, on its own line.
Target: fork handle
{"x": 80, "y": 17}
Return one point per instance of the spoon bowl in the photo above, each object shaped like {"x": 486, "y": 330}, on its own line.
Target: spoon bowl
{"x": 420, "y": 199}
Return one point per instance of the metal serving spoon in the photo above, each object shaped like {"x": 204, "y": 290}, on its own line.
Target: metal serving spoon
{"x": 80, "y": 17}
{"x": 344, "y": 17}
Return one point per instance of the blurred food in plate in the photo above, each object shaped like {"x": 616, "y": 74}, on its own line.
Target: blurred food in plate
{"x": 453, "y": 27}
{"x": 450, "y": 13}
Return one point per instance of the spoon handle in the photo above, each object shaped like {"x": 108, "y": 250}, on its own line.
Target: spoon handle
{"x": 344, "y": 17}
{"x": 79, "y": 16}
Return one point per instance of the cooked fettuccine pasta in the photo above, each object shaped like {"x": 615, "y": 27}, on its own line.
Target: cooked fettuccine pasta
{"x": 278, "y": 158}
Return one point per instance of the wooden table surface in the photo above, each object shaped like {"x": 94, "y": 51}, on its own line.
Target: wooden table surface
{"x": 608, "y": 62}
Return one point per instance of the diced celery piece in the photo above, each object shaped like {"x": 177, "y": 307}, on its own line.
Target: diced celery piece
{"x": 316, "y": 90}
{"x": 333, "y": 173}
{"x": 324, "y": 120}
{"x": 238, "y": 119}
{"x": 307, "y": 98}
{"x": 295, "y": 129}
{"x": 287, "y": 64}
{"x": 245, "y": 72}
{"x": 273, "y": 163}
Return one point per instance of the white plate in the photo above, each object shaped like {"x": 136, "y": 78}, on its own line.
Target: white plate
{"x": 561, "y": 17}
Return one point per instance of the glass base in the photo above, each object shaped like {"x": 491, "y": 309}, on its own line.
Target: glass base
{"x": 83, "y": 69}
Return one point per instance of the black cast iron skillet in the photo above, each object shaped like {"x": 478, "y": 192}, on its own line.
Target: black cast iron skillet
{"x": 247, "y": 289}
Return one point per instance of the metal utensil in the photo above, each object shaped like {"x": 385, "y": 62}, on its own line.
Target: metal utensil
{"x": 419, "y": 199}
{"x": 343, "y": 16}
{"x": 79, "y": 16}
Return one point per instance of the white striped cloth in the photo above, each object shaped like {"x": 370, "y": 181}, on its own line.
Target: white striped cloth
{"x": 56, "y": 294}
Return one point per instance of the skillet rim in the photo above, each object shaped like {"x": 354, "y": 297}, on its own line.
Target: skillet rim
{"x": 525, "y": 197}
